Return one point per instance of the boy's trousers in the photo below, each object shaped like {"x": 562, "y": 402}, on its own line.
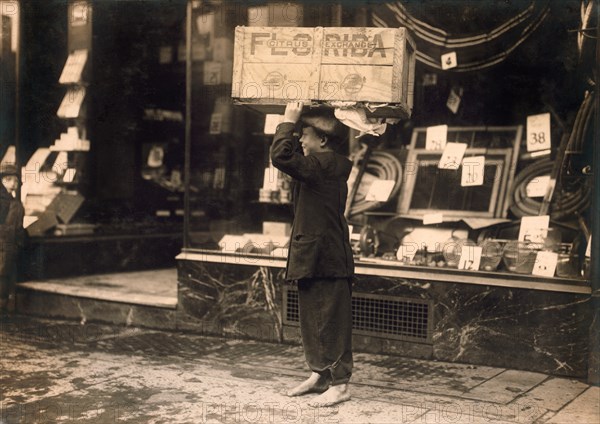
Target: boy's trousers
{"x": 325, "y": 306}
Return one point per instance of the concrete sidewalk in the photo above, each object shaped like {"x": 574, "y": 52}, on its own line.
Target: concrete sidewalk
{"x": 57, "y": 371}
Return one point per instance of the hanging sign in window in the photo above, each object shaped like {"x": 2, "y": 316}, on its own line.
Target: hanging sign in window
{"x": 435, "y": 137}
{"x": 472, "y": 171}
{"x": 538, "y": 132}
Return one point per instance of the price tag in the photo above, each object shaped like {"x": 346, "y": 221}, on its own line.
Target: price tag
{"x": 452, "y": 156}
{"x": 433, "y": 218}
{"x": 449, "y": 60}
{"x": 453, "y": 102}
{"x": 271, "y": 122}
{"x": 538, "y": 187}
{"x": 472, "y": 171}
{"x": 538, "y": 132}
{"x": 588, "y": 250}
{"x": 407, "y": 252}
{"x": 534, "y": 228}
{"x": 212, "y": 73}
{"x": 216, "y": 123}
{"x": 470, "y": 257}
{"x": 380, "y": 190}
{"x": 545, "y": 264}
{"x": 69, "y": 175}
{"x": 435, "y": 137}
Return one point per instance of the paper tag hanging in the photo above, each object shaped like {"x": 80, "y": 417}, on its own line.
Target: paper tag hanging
{"x": 449, "y": 60}
{"x": 545, "y": 264}
{"x": 470, "y": 257}
{"x": 271, "y": 122}
{"x": 534, "y": 228}
{"x": 472, "y": 171}
{"x": 435, "y": 137}
{"x": 538, "y": 187}
{"x": 406, "y": 252}
{"x": 538, "y": 132}
{"x": 452, "y": 156}
{"x": 380, "y": 190}
{"x": 433, "y": 218}
{"x": 454, "y": 98}
{"x": 216, "y": 124}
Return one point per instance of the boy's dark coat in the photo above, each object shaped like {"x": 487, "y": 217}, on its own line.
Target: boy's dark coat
{"x": 320, "y": 244}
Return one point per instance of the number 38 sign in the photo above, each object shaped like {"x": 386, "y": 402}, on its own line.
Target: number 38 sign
{"x": 538, "y": 132}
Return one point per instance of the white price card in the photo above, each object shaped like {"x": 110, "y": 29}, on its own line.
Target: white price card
{"x": 216, "y": 124}
{"x": 407, "y": 252}
{"x": 453, "y": 102}
{"x": 534, "y": 228}
{"x": 545, "y": 264}
{"x": 435, "y": 137}
{"x": 472, "y": 171}
{"x": 449, "y": 60}
{"x": 433, "y": 218}
{"x": 380, "y": 190}
{"x": 470, "y": 257}
{"x": 212, "y": 73}
{"x": 588, "y": 249}
{"x": 452, "y": 156}
{"x": 538, "y": 187}
{"x": 538, "y": 132}
{"x": 271, "y": 122}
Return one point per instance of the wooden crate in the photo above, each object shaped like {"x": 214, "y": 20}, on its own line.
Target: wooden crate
{"x": 367, "y": 64}
{"x": 274, "y": 65}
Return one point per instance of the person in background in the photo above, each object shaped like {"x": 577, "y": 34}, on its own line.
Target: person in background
{"x": 11, "y": 235}
{"x": 320, "y": 256}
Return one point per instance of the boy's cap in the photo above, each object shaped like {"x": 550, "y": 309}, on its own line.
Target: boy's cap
{"x": 8, "y": 169}
{"x": 325, "y": 123}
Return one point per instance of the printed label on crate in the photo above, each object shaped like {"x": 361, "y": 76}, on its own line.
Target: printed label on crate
{"x": 534, "y": 228}
{"x": 452, "y": 156}
{"x": 472, "y": 171}
{"x": 271, "y": 45}
{"x": 545, "y": 264}
{"x": 276, "y": 81}
{"x": 355, "y": 82}
{"x": 435, "y": 137}
{"x": 470, "y": 257}
{"x": 369, "y": 46}
{"x": 538, "y": 132}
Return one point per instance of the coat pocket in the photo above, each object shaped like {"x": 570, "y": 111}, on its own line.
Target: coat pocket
{"x": 304, "y": 255}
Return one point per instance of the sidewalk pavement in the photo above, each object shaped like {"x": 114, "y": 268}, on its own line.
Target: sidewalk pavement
{"x": 58, "y": 371}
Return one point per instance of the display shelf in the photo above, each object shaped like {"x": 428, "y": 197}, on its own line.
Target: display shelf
{"x": 383, "y": 268}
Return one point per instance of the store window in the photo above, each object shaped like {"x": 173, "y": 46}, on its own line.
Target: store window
{"x": 481, "y": 167}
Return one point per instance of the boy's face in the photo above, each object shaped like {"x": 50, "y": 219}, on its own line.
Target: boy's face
{"x": 10, "y": 182}
{"x": 311, "y": 142}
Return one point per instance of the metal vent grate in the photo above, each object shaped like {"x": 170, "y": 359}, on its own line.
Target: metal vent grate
{"x": 377, "y": 315}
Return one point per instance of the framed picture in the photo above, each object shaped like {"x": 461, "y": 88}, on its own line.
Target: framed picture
{"x": 428, "y": 189}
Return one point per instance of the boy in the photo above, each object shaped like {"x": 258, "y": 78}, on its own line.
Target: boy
{"x": 11, "y": 235}
{"x": 320, "y": 257}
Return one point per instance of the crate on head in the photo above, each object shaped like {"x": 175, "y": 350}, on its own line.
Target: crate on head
{"x": 368, "y": 65}
{"x": 274, "y": 65}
